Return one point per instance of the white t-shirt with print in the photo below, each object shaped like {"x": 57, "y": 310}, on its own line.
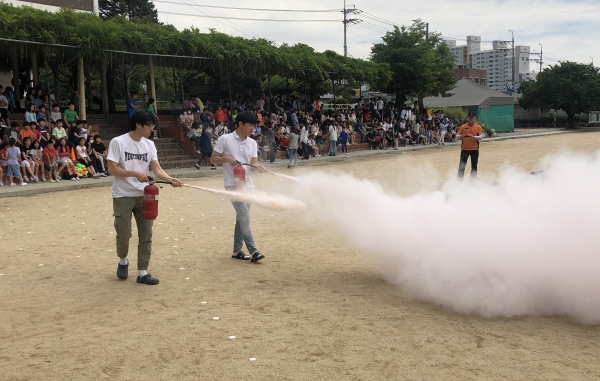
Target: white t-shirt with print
{"x": 132, "y": 156}
{"x": 230, "y": 145}
{"x": 82, "y": 151}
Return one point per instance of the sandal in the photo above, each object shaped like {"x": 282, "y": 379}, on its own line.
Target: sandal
{"x": 122, "y": 271}
{"x": 256, "y": 257}
{"x": 147, "y": 279}
{"x": 241, "y": 255}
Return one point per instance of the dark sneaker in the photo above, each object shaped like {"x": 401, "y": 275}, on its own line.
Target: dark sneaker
{"x": 147, "y": 279}
{"x": 122, "y": 271}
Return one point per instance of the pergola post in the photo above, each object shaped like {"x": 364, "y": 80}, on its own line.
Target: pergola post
{"x": 80, "y": 72}
{"x": 104, "y": 88}
{"x": 15, "y": 80}
{"x": 34, "y": 68}
{"x": 152, "y": 84}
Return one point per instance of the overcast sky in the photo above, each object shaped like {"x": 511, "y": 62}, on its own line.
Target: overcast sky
{"x": 568, "y": 29}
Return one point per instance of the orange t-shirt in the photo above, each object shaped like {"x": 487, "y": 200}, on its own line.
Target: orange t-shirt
{"x": 26, "y": 134}
{"x": 220, "y": 115}
{"x": 468, "y": 143}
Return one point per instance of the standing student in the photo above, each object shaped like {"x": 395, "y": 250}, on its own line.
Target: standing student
{"x": 152, "y": 109}
{"x": 132, "y": 104}
{"x": 332, "y": 140}
{"x": 293, "y": 147}
{"x": 344, "y": 140}
{"x": 231, "y": 149}
{"x": 128, "y": 158}
{"x": 471, "y": 134}
{"x": 13, "y": 159}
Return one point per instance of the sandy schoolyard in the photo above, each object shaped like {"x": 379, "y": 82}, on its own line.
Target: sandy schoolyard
{"x": 315, "y": 309}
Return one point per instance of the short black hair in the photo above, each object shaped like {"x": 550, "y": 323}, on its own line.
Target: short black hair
{"x": 142, "y": 117}
{"x": 71, "y": 103}
{"x": 97, "y": 137}
{"x": 246, "y": 117}
{"x": 134, "y": 93}
{"x": 25, "y": 123}
{"x": 11, "y": 142}
{"x": 78, "y": 122}
{"x": 83, "y": 121}
{"x": 150, "y": 101}
{"x": 40, "y": 119}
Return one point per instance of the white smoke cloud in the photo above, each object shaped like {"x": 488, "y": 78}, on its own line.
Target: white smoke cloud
{"x": 528, "y": 245}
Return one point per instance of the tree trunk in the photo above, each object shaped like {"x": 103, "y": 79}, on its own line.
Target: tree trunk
{"x": 571, "y": 120}
{"x": 15, "y": 81}
{"x": 400, "y": 100}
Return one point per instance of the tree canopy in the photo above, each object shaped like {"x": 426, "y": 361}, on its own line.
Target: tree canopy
{"x": 568, "y": 86}
{"x": 97, "y": 39}
{"x": 420, "y": 63}
{"x": 141, "y": 10}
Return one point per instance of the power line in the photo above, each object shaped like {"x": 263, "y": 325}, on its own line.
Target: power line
{"x": 250, "y": 34}
{"x": 249, "y": 19}
{"x": 253, "y": 9}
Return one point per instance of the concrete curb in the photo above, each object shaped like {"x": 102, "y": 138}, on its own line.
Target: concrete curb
{"x": 191, "y": 173}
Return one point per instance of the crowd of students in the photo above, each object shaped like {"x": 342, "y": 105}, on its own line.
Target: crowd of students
{"x": 47, "y": 146}
{"x": 313, "y": 131}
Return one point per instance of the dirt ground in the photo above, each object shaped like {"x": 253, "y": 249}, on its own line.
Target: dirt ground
{"x": 314, "y": 309}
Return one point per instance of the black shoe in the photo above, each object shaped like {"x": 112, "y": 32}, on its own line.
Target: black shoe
{"x": 123, "y": 271}
{"x": 256, "y": 257}
{"x": 147, "y": 279}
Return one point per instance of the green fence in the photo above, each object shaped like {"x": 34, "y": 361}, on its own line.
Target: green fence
{"x": 500, "y": 118}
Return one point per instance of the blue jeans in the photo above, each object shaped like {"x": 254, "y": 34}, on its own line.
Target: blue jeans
{"x": 332, "y": 147}
{"x": 293, "y": 156}
{"x": 196, "y": 141}
{"x": 242, "y": 232}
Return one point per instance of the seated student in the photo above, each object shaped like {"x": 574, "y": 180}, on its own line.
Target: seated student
{"x": 401, "y": 138}
{"x": 101, "y": 152}
{"x": 14, "y": 131}
{"x": 31, "y": 114}
{"x": 36, "y": 156}
{"x": 83, "y": 129}
{"x": 50, "y": 161}
{"x": 83, "y": 158}
{"x": 263, "y": 147}
{"x": 74, "y": 134}
{"x": 42, "y": 132}
{"x": 64, "y": 154}
{"x": 389, "y": 138}
{"x": 371, "y": 139}
{"x": 3, "y": 160}
{"x": 26, "y": 132}
{"x": 42, "y": 113}
{"x": 58, "y": 132}
{"x": 313, "y": 144}
{"x": 96, "y": 162}
{"x": 70, "y": 115}
{"x": 28, "y": 166}
{"x": 55, "y": 115}
{"x": 194, "y": 134}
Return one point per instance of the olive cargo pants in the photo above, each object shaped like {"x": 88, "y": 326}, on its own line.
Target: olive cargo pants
{"x": 123, "y": 208}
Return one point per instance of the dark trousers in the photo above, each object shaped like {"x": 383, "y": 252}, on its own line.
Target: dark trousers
{"x": 464, "y": 156}
{"x": 306, "y": 150}
{"x": 272, "y": 152}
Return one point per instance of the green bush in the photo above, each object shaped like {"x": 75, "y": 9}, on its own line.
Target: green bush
{"x": 487, "y": 130}
{"x": 454, "y": 113}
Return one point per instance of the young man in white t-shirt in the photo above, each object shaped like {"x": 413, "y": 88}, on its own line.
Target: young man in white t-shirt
{"x": 230, "y": 150}
{"x": 129, "y": 156}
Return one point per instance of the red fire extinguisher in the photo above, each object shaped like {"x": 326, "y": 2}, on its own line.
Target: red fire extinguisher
{"x": 150, "y": 207}
{"x": 239, "y": 178}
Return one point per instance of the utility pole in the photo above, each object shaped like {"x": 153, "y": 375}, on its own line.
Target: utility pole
{"x": 514, "y": 59}
{"x": 347, "y": 21}
{"x": 538, "y": 60}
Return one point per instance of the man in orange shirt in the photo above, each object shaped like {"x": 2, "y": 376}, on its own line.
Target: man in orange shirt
{"x": 471, "y": 134}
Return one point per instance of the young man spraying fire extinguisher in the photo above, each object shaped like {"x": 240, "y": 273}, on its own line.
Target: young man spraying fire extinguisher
{"x": 129, "y": 156}
{"x": 233, "y": 150}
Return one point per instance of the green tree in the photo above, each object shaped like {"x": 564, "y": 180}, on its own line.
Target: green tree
{"x": 420, "y": 64}
{"x": 142, "y": 10}
{"x": 568, "y": 86}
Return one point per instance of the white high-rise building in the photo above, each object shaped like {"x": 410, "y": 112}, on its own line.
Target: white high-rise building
{"x": 498, "y": 62}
